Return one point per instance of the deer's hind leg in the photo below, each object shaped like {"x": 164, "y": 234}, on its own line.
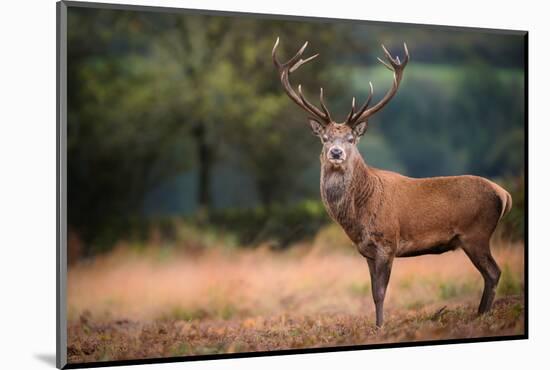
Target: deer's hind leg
{"x": 480, "y": 254}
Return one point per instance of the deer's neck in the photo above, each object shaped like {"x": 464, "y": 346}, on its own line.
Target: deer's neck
{"x": 347, "y": 192}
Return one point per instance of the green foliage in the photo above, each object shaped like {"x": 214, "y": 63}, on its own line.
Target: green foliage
{"x": 280, "y": 225}
{"x": 512, "y": 225}
{"x": 153, "y": 95}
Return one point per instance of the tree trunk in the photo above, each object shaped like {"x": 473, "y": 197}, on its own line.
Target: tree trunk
{"x": 204, "y": 156}
{"x": 266, "y": 190}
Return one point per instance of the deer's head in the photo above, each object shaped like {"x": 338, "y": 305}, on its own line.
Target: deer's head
{"x": 339, "y": 139}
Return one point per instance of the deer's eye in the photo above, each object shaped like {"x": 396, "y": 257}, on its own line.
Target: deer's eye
{"x": 324, "y": 138}
{"x": 350, "y": 139}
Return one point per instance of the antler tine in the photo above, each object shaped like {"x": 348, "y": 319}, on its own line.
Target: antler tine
{"x": 285, "y": 69}
{"x": 397, "y": 67}
{"x": 394, "y": 63}
{"x": 323, "y": 106}
{"x": 406, "y": 60}
{"x": 301, "y": 62}
{"x": 308, "y": 104}
{"x": 352, "y": 112}
{"x": 291, "y": 63}
{"x": 364, "y": 106}
{"x": 387, "y": 54}
{"x": 385, "y": 64}
{"x": 274, "y": 56}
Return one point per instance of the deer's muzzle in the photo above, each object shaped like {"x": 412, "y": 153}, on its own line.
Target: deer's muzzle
{"x": 336, "y": 155}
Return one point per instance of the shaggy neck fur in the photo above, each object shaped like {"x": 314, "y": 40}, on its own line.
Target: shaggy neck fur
{"x": 348, "y": 193}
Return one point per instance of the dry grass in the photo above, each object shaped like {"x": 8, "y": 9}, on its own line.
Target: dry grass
{"x": 161, "y": 302}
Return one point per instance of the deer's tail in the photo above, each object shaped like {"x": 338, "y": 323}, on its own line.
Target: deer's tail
{"x": 506, "y": 200}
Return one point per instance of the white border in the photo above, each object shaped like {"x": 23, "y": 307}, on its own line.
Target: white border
{"x": 27, "y": 194}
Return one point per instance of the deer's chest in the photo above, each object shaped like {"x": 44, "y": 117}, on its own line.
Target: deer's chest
{"x": 334, "y": 191}
{"x": 338, "y": 200}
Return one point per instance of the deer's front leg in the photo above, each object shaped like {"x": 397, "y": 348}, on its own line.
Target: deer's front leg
{"x": 380, "y": 270}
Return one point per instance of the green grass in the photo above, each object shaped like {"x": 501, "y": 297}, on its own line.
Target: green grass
{"x": 360, "y": 289}
{"x": 180, "y": 349}
{"x": 224, "y": 311}
{"x": 509, "y": 283}
{"x": 449, "y": 290}
{"x": 516, "y": 311}
{"x": 415, "y": 305}
{"x": 185, "y": 314}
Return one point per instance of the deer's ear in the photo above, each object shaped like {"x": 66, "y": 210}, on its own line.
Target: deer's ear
{"x": 360, "y": 128}
{"x": 316, "y": 127}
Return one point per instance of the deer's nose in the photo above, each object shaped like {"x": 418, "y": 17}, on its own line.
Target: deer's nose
{"x": 336, "y": 152}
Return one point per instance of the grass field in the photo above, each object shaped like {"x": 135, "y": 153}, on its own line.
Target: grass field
{"x": 163, "y": 301}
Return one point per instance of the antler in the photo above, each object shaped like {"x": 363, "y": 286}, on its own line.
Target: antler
{"x": 291, "y": 66}
{"x": 397, "y": 67}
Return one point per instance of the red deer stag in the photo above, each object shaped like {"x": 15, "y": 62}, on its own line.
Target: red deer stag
{"x": 388, "y": 215}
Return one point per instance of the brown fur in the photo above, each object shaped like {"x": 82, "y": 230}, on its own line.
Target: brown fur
{"x": 389, "y": 215}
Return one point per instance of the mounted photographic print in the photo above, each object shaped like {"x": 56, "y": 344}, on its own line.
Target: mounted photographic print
{"x": 235, "y": 184}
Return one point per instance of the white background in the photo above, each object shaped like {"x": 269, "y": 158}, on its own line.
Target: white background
{"x": 27, "y": 183}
